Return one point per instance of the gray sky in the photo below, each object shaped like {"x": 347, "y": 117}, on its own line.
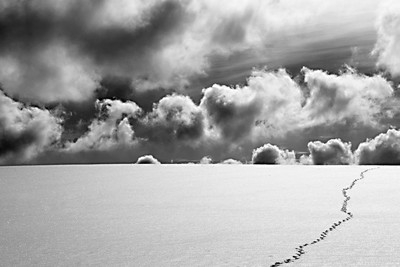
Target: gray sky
{"x": 110, "y": 81}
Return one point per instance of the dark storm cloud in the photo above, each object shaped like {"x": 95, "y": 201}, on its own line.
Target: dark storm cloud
{"x": 271, "y": 154}
{"x": 147, "y": 159}
{"x": 122, "y": 88}
{"x": 35, "y": 62}
{"x": 333, "y": 152}
{"x": 63, "y": 50}
{"x": 76, "y": 117}
{"x": 114, "y": 87}
{"x": 112, "y": 44}
{"x": 57, "y": 51}
{"x": 11, "y": 143}
{"x": 25, "y": 131}
{"x": 383, "y": 149}
{"x": 28, "y": 25}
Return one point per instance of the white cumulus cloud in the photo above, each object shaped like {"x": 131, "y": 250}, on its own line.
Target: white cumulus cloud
{"x": 147, "y": 159}
{"x": 333, "y": 152}
{"x": 383, "y": 149}
{"x": 25, "y": 131}
{"x": 110, "y": 129}
{"x": 271, "y": 154}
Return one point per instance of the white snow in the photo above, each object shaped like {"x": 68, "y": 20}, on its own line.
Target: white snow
{"x": 196, "y": 215}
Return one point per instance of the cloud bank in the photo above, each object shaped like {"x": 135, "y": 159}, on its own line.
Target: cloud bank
{"x": 25, "y": 131}
{"x": 230, "y": 121}
{"x": 167, "y": 78}
{"x": 54, "y": 51}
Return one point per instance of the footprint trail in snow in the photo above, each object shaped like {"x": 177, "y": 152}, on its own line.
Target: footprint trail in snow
{"x": 301, "y": 249}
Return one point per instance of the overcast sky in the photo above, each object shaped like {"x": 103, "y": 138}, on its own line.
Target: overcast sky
{"x": 95, "y": 81}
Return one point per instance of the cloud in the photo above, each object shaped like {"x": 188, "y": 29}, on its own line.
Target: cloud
{"x": 111, "y": 128}
{"x": 173, "y": 118}
{"x": 73, "y": 44}
{"x": 383, "y": 149}
{"x": 348, "y": 96}
{"x": 25, "y": 131}
{"x": 387, "y": 47}
{"x": 275, "y": 107}
{"x": 229, "y": 122}
{"x": 231, "y": 109}
{"x": 206, "y": 160}
{"x": 160, "y": 53}
{"x": 147, "y": 159}
{"x": 165, "y": 44}
{"x": 231, "y": 161}
{"x": 53, "y": 73}
{"x": 118, "y": 87}
{"x": 271, "y": 154}
{"x": 305, "y": 160}
{"x": 174, "y": 128}
{"x": 333, "y": 152}
{"x": 269, "y": 97}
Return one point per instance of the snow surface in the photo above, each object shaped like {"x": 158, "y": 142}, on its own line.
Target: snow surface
{"x": 197, "y": 215}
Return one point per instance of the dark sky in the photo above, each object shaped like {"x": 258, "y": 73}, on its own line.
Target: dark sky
{"x": 110, "y": 81}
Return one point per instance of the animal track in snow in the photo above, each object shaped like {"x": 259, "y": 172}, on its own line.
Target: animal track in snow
{"x": 301, "y": 249}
